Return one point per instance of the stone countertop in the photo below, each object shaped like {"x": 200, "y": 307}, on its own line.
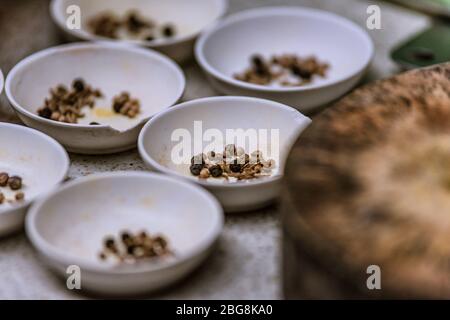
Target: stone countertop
{"x": 246, "y": 264}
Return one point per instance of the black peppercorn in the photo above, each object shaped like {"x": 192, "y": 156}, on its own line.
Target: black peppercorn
{"x": 235, "y": 167}
{"x": 216, "y": 171}
{"x": 94, "y": 123}
{"x": 196, "y": 169}
{"x": 78, "y": 85}
{"x": 168, "y": 31}
{"x": 150, "y": 38}
{"x": 301, "y": 72}
{"x": 45, "y": 113}
{"x": 110, "y": 243}
{"x": 257, "y": 61}
{"x": 125, "y": 236}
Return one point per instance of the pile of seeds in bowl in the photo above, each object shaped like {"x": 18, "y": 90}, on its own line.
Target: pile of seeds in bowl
{"x": 109, "y": 25}
{"x": 125, "y": 105}
{"x": 130, "y": 248}
{"x": 66, "y": 104}
{"x": 14, "y": 183}
{"x": 232, "y": 163}
{"x": 286, "y": 70}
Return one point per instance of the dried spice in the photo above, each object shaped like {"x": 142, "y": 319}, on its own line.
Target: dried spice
{"x": 20, "y": 196}
{"x": 136, "y": 24}
{"x": 105, "y": 25}
{"x": 4, "y": 177}
{"x": 65, "y": 105}
{"x": 131, "y": 248}
{"x": 168, "y": 31}
{"x": 127, "y": 106}
{"x": 284, "y": 70}
{"x": 109, "y": 25}
{"x": 14, "y": 183}
{"x": 232, "y": 163}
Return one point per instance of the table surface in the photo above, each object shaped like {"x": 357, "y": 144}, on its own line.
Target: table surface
{"x": 246, "y": 264}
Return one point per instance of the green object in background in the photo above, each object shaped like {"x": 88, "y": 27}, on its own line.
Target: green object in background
{"x": 434, "y": 7}
{"x": 430, "y": 47}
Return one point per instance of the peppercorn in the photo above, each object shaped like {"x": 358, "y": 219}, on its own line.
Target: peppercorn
{"x": 257, "y": 61}
{"x": 196, "y": 169}
{"x": 150, "y": 38}
{"x": 45, "y": 113}
{"x": 94, "y": 123}
{"x": 168, "y": 30}
{"x": 4, "y": 179}
{"x": 161, "y": 241}
{"x": 110, "y": 243}
{"x": 20, "y": 196}
{"x": 216, "y": 171}
{"x": 301, "y": 72}
{"x": 125, "y": 236}
{"x": 235, "y": 167}
{"x": 130, "y": 249}
{"x": 15, "y": 183}
{"x": 78, "y": 85}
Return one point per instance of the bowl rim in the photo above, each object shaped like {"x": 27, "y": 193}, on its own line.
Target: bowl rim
{"x": 157, "y": 43}
{"x": 209, "y": 184}
{"x": 55, "y": 144}
{"x": 96, "y": 45}
{"x": 267, "y": 12}
{"x": 47, "y": 249}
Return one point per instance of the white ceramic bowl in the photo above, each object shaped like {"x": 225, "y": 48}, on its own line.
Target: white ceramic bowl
{"x": 158, "y": 140}
{"x": 69, "y": 226}
{"x": 189, "y": 17}
{"x": 38, "y": 159}
{"x": 226, "y": 49}
{"x": 149, "y": 76}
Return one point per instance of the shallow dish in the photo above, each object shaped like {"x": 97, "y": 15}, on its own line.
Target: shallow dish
{"x": 162, "y": 136}
{"x": 149, "y": 76}
{"x": 188, "y": 17}
{"x": 225, "y": 50}
{"x": 38, "y": 159}
{"x": 69, "y": 226}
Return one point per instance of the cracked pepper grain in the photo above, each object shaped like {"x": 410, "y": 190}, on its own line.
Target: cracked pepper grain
{"x": 65, "y": 105}
{"x": 131, "y": 248}
{"x": 109, "y": 25}
{"x": 285, "y": 70}
{"x": 232, "y": 163}
{"x": 125, "y": 105}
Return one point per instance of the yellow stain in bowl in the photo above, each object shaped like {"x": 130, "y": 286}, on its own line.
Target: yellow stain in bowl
{"x": 104, "y": 113}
